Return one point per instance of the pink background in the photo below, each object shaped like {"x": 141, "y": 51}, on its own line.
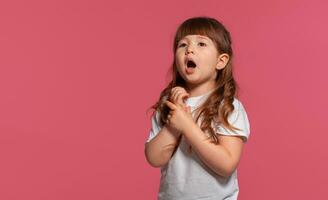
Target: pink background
{"x": 76, "y": 79}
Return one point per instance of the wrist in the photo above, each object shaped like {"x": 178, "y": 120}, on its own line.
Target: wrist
{"x": 190, "y": 126}
{"x": 173, "y": 131}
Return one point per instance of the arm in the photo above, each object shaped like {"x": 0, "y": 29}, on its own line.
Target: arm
{"x": 222, "y": 158}
{"x": 159, "y": 150}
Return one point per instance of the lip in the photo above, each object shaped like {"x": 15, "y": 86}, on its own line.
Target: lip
{"x": 187, "y": 70}
{"x": 189, "y": 59}
{"x": 190, "y": 71}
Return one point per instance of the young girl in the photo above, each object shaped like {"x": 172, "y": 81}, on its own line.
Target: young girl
{"x": 199, "y": 127}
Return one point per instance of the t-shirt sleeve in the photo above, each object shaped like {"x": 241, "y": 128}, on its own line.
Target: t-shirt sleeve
{"x": 155, "y": 127}
{"x": 238, "y": 118}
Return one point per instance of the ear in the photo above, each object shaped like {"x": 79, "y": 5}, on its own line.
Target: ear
{"x": 222, "y": 61}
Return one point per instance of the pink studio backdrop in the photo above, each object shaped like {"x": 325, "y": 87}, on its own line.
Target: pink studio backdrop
{"x": 76, "y": 79}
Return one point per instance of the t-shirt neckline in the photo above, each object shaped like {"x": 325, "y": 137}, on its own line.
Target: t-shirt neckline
{"x": 196, "y": 100}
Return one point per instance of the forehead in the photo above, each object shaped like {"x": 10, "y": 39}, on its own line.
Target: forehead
{"x": 193, "y": 37}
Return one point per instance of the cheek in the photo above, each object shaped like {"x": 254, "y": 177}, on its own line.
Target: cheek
{"x": 179, "y": 60}
{"x": 211, "y": 59}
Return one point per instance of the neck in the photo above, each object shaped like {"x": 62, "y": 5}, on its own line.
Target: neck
{"x": 198, "y": 90}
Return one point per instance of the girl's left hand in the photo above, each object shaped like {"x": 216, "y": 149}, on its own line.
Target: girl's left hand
{"x": 179, "y": 118}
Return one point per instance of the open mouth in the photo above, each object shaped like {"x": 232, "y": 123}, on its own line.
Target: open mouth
{"x": 191, "y": 64}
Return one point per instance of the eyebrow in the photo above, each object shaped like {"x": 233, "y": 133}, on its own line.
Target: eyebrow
{"x": 198, "y": 36}
{"x": 203, "y": 37}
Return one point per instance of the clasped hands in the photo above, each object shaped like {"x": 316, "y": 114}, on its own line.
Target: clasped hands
{"x": 180, "y": 115}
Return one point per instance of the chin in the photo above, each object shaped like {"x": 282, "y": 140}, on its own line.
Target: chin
{"x": 193, "y": 81}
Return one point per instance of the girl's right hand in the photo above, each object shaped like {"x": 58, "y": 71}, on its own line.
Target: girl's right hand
{"x": 178, "y": 96}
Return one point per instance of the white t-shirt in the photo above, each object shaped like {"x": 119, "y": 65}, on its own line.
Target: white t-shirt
{"x": 185, "y": 176}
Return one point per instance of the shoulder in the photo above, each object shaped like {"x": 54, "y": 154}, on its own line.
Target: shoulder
{"x": 238, "y": 109}
{"x": 236, "y": 102}
{"x": 238, "y": 105}
{"x": 156, "y": 115}
{"x": 237, "y": 118}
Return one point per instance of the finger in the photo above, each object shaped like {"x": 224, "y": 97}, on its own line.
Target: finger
{"x": 175, "y": 90}
{"x": 177, "y": 97}
{"x": 185, "y": 97}
{"x": 185, "y": 108}
{"x": 171, "y": 94}
{"x": 169, "y": 116}
{"x": 182, "y": 97}
{"x": 170, "y": 105}
{"x": 174, "y": 94}
{"x": 188, "y": 109}
{"x": 178, "y": 90}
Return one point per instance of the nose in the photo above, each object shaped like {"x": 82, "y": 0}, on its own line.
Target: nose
{"x": 189, "y": 50}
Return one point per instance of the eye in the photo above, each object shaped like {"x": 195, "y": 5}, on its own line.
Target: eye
{"x": 202, "y": 44}
{"x": 182, "y": 45}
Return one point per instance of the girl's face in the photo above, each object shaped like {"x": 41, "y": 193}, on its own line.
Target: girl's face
{"x": 198, "y": 60}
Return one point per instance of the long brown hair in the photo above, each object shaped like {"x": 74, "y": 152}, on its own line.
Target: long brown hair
{"x": 219, "y": 104}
